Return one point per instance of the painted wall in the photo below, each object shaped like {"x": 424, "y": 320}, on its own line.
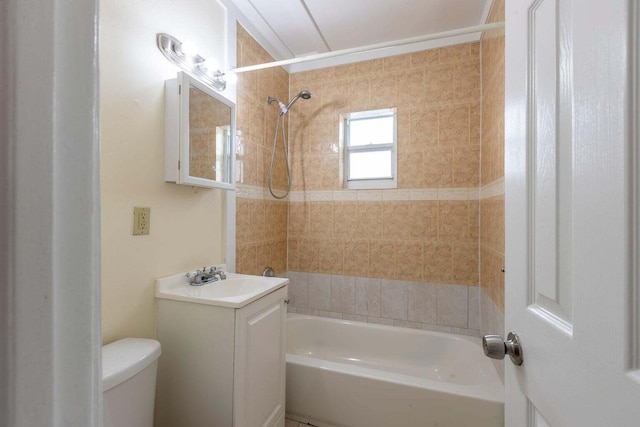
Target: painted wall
{"x": 186, "y": 223}
{"x": 492, "y": 172}
{"x": 261, "y": 220}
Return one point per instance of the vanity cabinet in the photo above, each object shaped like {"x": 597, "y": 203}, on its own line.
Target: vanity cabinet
{"x": 222, "y": 366}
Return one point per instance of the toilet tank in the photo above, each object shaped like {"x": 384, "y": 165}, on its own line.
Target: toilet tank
{"x": 128, "y": 382}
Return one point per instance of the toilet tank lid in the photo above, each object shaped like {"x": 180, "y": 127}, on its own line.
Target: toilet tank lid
{"x": 124, "y": 358}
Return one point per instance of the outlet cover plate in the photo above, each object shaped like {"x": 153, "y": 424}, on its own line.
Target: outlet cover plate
{"x": 141, "y": 221}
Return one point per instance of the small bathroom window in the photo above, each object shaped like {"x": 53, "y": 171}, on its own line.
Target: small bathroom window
{"x": 369, "y": 141}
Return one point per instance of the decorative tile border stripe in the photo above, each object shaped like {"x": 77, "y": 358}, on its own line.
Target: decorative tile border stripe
{"x": 493, "y": 189}
{"x": 254, "y": 192}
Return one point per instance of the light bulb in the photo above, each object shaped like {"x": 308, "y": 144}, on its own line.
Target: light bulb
{"x": 189, "y": 48}
{"x": 211, "y": 63}
{"x": 231, "y": 77}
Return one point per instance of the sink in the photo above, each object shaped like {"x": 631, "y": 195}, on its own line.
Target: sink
{"x": 236, "y": 291}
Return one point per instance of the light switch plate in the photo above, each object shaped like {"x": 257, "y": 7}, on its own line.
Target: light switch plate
{"x": 141, "y": 221}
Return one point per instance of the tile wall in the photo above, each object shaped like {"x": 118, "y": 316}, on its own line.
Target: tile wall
{"x": 423, "y": 235}
{"x": 492, "y": 232}
{"x": 409, "y": 304}
{"x": 410, "y": 256}
{"x": 261, "y": 222}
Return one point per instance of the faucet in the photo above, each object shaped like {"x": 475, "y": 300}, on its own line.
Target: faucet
{"x": 202, "y": 277}
{"x": 213, "y": 272}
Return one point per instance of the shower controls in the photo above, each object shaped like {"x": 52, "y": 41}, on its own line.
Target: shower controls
{"x": 495, "y": 348}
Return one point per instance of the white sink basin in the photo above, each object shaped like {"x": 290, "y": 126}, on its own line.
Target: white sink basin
{"x": 236, "y": 291}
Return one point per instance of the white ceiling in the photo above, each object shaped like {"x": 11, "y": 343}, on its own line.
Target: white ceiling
{"x": 293, "y": 28}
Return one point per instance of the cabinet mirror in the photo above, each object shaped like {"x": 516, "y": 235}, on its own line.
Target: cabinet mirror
{"x": 200, "y": 126}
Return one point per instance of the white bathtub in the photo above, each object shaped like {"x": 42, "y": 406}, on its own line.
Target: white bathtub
{"x": 344, "y": 373}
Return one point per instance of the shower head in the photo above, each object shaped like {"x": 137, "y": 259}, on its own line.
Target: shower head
{"x": 284, "y": 109}
{"x": 305, "y": 94}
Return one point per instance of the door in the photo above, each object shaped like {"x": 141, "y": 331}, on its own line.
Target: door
{"x": 572, "y": 213}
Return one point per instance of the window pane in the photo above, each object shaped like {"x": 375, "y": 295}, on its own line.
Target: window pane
{"x": 376, "y": 130}
{"x": 370, "y": 164}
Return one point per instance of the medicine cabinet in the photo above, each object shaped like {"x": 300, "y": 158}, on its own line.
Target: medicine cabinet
{"x": 199, "y": 134}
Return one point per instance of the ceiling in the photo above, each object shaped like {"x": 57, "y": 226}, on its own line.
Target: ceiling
{"x": 292, "y": 28}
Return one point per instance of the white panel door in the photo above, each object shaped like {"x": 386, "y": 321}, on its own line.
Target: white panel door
{"x": 572, "y": 219}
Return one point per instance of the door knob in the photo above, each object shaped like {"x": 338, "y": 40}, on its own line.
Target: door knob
{"x": 495, "y": 348}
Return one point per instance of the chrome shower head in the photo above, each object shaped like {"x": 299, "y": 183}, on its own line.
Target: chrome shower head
{"x": 305, "y": 94}
{"x": 284, "y": 109}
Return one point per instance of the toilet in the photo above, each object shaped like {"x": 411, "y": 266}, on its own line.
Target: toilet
{"x": 129, "y": 381}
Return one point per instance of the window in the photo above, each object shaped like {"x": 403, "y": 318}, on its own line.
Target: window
{"x": 369, "y": 149}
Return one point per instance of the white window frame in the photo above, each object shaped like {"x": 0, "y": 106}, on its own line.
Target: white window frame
{"x": 346, "y": 149}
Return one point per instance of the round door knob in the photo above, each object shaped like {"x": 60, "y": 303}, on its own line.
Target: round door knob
{"x": 495, "y": 348}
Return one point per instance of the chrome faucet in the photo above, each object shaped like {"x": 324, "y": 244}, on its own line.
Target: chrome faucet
{"x": 202, "y": 277}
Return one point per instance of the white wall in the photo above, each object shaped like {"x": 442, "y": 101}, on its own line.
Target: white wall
{"x": 186, "y": 223}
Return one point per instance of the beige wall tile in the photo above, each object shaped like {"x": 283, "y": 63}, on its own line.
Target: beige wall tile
{"x": 424, "y": 128}
{"x": 423, "y": 220}
{"x": 298, "y": 219}
{"x": 396, "y": 220}
{"x": 243, "y": 221}
{"x": 453, "y": 221}
{"x": 345, "y": 219}
{"x": 246, "y": 258}
{"x": 370, "y": 219}
{"x": 438, "y": 167}
{"x": 410, "y": 170}
{"x": 454, "y": 125}
{"x": 382, "y": 259}
{"x": 465, "y": 267}
{"x": 438, "y": 262}
{"x": 309, "y": 255}
{"x": 331, "y": 256}
{"x": 409, "y": 261}
{"x": 466, "y": 166}
{"x": 321, "y": 219}
{"x": 356, "y": 259}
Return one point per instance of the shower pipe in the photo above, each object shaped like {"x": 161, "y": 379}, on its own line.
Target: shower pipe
{"x": 372, "y": 47}
{"x": 284, "y": 109}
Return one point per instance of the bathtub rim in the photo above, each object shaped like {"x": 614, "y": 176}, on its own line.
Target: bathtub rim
{"x": 492, "y": 391}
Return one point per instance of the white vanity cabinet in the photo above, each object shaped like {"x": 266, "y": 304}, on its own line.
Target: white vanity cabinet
{"x": 221, "y": 366}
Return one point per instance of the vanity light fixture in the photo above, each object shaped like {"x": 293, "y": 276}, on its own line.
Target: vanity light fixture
{"x": 185, "y": 56}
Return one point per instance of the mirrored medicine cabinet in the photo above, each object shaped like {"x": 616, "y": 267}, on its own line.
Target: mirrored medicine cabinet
{"x": 199, "y": 133}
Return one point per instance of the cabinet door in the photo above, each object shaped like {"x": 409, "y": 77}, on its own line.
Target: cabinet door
{"x": 260, "y": 363}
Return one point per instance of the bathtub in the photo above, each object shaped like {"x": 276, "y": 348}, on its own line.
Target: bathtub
{"x": 344, "y": 373}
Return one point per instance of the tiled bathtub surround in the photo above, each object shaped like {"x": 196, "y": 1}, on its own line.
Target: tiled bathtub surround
{"x": 429, "y": 306}
{"x": 427, "y": 229}
{"x": 261, "y": 223}
{"x": 492, "y": 322}
{"x": 419, "y": 240}
{"x": 492, "y": 232}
